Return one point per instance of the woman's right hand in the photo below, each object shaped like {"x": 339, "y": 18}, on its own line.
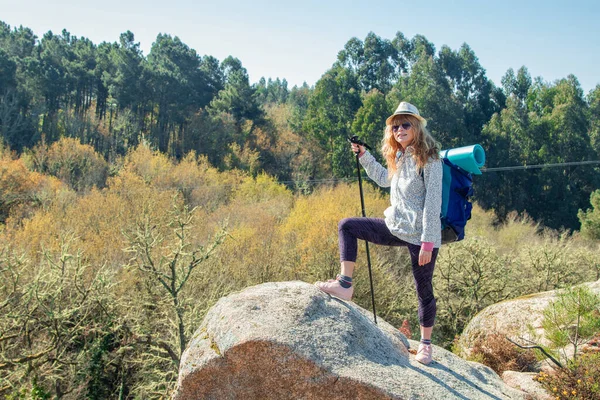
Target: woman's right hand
{"x": 358, "y": 149}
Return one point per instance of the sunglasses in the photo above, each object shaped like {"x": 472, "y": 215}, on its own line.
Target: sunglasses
{"x": 405, "y": 125}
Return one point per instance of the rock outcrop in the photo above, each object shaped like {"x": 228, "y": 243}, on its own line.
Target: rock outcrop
{"x": 520, "y": 317}
{"x": 288, "y": 340}
{"x": 525, "y": 381}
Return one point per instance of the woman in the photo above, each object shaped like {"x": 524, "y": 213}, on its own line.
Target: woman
{"x": 414, "y": 173}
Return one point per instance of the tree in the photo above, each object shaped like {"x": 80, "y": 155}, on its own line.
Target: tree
{"x": 519, "y": 85}
{"x": 590, "y": 219}
{"x": 572, "y": 319}
{"x": 8, "y": 69}
{"x": 215, "y": 78}
{"x": 123, "y": 78}
{"x": 102, "y": 73}
{"x": 473, "y": 90}
{"x": 373, "y": 62}
{"x": 179, "y": 88}
{"x": 76, "y": 164}
{"x": 419, "y": 48}
{"x": 352, "y": 55}
{"x": 11, "y": 120}
{"x": 19, "y": 71}
{"x": 53, "y": 315}
{"x": 81, "y": 71}
{"x": 593, "y": 100}
{"x": 121, "y": 94}
{"x": 20, "y": 189}
{"x": 298, "y": 100}
{"x": 272, "y": 91}
{"x": 369, "y": 121}
{"x": 331, "y": 109}
{"x": 404, "y": 49}
{"x": 16, "y": 57}
{"x": 168, "y": 262}
{"x": 549, "y": 126}
{"x": 19, "y": 42}
{"x": 472, "y": 276}
{"x": 237, "y": 98}
{"x": 561, "y": 117}
{"x": 508, "y": 142}
{"x": 262, "y": 93}
{"x": 427, "y": 87}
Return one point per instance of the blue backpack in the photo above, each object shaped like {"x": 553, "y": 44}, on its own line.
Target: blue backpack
{"x": 457, "y": 188}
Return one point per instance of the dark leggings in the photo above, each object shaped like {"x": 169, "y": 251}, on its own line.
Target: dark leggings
{"x": 375, "y": 231}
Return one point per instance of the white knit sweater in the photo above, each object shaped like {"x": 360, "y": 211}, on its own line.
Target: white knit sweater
{"x": 414, "y": 215}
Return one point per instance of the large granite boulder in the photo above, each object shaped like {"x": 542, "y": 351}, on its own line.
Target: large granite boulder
{"x": 289, "y": 340}
{"x": 516, "y": 318}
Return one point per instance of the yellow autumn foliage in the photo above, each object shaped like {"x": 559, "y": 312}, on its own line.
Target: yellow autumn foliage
{"x": 310, "y": 233}
{"x": 22, "y": 191}
{"x": 76, "y": 164}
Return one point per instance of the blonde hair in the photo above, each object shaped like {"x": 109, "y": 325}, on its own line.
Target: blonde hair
{"x": 423, "y": 144}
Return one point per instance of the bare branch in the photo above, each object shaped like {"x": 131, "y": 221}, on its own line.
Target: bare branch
{"x": 161, "y": 344}
{"x": 27, "y": 358}
{"x": 536, "y": 347}
{"x": 4, "y": 338}
{"x": 196, "y": 261}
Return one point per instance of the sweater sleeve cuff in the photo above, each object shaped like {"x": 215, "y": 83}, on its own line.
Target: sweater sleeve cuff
{"x": 427, "y": 246}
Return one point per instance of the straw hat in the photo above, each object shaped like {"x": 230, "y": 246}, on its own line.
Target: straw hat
{"x": 408, "y": 109}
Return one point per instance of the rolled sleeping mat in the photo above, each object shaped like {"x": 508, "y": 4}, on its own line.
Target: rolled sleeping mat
{"x": 469, "y": 158}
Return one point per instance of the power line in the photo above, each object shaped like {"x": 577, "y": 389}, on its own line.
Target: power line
{"x": 516, "y": 167}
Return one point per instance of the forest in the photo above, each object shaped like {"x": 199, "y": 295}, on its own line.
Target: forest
{"x": 135, "y": 191}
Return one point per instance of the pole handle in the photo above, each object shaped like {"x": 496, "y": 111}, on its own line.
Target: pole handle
{"x": 355, "y": 139}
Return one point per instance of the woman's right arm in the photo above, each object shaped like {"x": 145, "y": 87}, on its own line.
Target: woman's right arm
{"x": 376, "y": 171}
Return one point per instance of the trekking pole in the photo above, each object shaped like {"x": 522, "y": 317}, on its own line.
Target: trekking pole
{"x": 355, "y": 139}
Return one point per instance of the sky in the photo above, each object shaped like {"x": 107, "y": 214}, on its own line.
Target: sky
{"x": 299, "y": 40}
